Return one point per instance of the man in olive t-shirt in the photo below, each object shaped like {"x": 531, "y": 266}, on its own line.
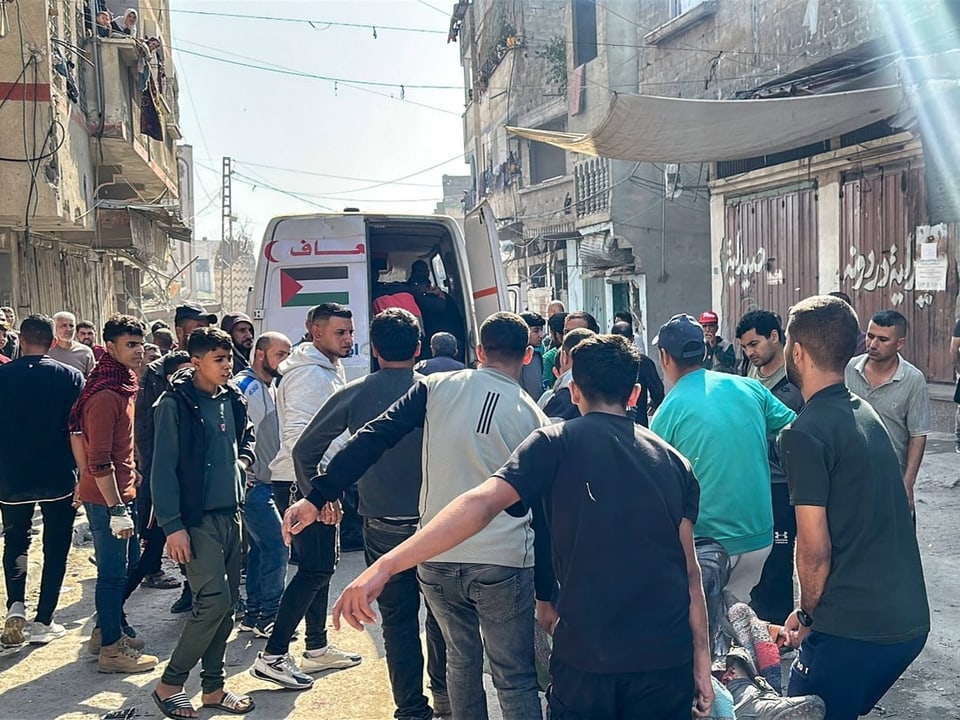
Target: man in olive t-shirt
{"x": 863, "y": 615}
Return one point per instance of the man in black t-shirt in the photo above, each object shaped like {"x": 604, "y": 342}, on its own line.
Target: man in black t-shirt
{"x": 628, "y": 641}
{"x": 863, "y": 614}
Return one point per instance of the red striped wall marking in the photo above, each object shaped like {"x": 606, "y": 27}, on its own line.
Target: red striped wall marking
{"x": 486, "y": 292}
{"x": 25, "y": 92}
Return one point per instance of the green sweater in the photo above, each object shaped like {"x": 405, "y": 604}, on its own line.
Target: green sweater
{"x": 222, "y": 481}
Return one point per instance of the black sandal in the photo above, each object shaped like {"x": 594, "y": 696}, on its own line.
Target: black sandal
{"x": 177, "y": 701}
{"x": 231, "y": 703}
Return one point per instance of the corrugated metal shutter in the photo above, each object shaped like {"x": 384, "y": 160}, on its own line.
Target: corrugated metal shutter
{"x": 769, "y": 254}
{"x": 879, "y": 216}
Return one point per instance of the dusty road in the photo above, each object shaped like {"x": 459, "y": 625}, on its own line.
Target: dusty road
{"x": 60, "y": 680}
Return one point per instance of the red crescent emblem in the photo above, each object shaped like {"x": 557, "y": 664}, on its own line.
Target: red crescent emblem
{"x": 267, "y": 249}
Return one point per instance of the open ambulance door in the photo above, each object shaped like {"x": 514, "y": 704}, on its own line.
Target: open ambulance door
{"x": 488, "y": 281}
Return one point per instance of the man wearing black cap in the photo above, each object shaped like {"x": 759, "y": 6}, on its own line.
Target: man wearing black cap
{"x": 240, "y": 328}
{"x": 729, "y": 458}
{"x": 152, "y": 385}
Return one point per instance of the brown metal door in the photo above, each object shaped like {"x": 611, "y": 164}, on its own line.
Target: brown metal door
{"x": 879, "y": 216}
{"x": 769, "y": 254}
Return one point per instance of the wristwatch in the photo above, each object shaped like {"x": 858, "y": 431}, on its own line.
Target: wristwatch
{"x": 117, "y": 510}
{"x": 805, "y": 619}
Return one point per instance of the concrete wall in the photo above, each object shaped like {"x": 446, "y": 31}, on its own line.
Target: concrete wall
{"x": 671, "y": 238}
{"x": 751, "y": 42}
{"x": 742, "y": 45}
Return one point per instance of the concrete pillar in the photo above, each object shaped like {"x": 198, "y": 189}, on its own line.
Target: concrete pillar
{"x": 828, "y": 227}
{"x": 717, "y": 229}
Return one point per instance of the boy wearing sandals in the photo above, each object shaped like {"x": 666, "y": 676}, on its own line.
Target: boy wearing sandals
{"x": 202, "y": 448}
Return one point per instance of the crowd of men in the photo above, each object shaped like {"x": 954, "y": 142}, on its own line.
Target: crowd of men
{"x": 526, "y": 491}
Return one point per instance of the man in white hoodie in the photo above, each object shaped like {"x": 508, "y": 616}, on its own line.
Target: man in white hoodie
{"x": 308, "y": 377}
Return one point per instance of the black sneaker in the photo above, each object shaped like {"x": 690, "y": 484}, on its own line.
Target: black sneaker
{"x": 264, "y": 627}
{"x": 248, "y": 623}
{"x": 184, "y": 603}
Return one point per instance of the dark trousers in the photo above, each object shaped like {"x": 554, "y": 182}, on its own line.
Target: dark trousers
{"x": 152, "y": 537}
{"x": 58, "y": 516}
{"x": 772, "y": 598}
{"x": 307, "y": 594}
{"x": 849, "y": 675}
{"x": 657, "y": 695}
{"x": 214, "y": 577}
{"x": 281, "y": 498}
{"x": 399, "y": 605}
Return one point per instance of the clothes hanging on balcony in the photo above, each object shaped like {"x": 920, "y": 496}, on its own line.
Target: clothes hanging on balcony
{"x": 65, "y": 67}
{"x": 151, "y": 122}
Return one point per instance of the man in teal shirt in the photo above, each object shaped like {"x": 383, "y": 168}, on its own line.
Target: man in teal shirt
{"x": 720, "y": 423}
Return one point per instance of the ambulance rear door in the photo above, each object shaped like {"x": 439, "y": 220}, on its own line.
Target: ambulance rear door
{"x": 487, "y": 278}
{"x": 308, "y": 260}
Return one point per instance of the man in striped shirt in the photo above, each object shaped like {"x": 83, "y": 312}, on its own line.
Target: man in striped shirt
{"x": 472, "y": 421}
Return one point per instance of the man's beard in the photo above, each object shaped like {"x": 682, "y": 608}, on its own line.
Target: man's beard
{"x": 793, "y": 375}
{"x": 273, "y": 372}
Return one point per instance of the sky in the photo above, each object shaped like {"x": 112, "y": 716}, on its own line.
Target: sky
{"x": 291, "y": 133}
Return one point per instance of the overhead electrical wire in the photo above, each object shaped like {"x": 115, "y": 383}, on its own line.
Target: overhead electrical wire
{"x": 312, "y": 23}
{"x": 368, "y": 26}
{"x": 314, "y": 76}
{"x": 337, "y": 84}
{"x": 246, "y": 179}
{"x": 296, "y": 171}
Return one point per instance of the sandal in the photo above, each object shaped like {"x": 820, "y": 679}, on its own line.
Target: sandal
{"x": 233, "y": 703}
{"x": 177, "y": 701}
{"x": 160, "y": 581}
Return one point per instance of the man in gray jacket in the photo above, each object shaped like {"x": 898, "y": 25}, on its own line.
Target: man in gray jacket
{"x": 267, "y": 557}
{"x": 471, "y": 422}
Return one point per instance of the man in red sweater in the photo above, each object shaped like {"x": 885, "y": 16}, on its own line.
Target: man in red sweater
{"x": 103, "y": 415}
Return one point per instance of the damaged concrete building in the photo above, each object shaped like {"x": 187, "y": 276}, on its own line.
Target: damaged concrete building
{"x": 856, "y": 200}
{"x": 94, "y": 217}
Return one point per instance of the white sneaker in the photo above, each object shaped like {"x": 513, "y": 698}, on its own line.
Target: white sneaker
{"x": 281, "y": 670}
{"x": 13, "y": 635}
{"x": 330, "y": 659}
{"x": 39, "y": 634}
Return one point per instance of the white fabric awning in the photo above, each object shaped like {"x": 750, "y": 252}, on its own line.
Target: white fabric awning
{"x": 649, "y": 128}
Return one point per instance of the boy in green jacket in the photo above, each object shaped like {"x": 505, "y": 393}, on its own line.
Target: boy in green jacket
{"x": 203, "y": 444}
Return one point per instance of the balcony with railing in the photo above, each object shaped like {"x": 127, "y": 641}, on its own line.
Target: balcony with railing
{"x": 131, "y": 113}
{"x": 592, "y": 179}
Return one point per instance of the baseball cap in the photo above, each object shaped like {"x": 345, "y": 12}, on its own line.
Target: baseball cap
{"x": 230, "y": 321}
{"x": 709, "y": 317}
{"x": 193, "y": 312}
{"x": 681, "y": 337}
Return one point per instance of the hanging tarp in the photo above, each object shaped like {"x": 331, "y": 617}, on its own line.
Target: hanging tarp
{"x": 649, "y": 128}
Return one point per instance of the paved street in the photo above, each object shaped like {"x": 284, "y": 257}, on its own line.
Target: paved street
{"x": 60, "y": 680}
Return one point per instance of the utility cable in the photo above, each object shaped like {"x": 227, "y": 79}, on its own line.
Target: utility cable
{"x": 323, "y": 175}
{"x": 313, "y": 76}
{"x": 311, "y": 23}
{"x": 273, "y": 67}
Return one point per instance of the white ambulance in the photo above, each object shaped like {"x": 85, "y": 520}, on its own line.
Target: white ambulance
{"x": 353, "y": 257}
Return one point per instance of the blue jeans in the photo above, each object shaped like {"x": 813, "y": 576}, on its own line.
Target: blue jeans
{"x": 498, "y": 601}
{"x": 849, "y": 675}
{"x": 267, "y": 555}
{"x": 399, "y": 605}
{"x": 114, "y": 558}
